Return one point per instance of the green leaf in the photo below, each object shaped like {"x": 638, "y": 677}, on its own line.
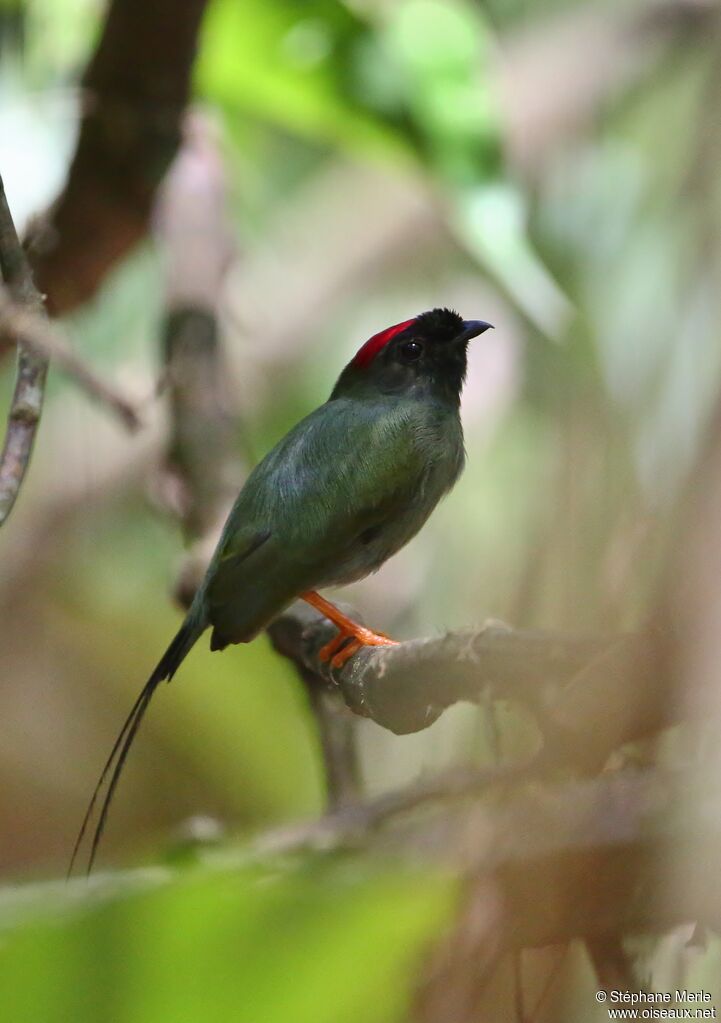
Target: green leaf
{"x": 287, "y": 63}
{"x": 315, "y": 943}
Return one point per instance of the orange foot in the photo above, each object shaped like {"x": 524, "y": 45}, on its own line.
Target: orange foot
{"x": 339, "y": 650}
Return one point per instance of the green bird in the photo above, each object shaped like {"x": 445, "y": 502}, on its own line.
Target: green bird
{"x": 345, "y": 489}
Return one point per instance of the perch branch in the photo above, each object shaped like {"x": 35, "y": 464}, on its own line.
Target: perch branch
{"x": 577, "y": 687}
{"x": 27, "y": 400}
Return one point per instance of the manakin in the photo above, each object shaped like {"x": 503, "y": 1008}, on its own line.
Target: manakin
{"x": 345, "y": 489}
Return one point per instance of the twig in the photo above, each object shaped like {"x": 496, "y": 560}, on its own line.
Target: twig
{"x": 577, "y": 859}
{"x": 20, "y": 325}
{"x": 355, "y": 822}
{"x": 337, "y": 733}
{"x": 27, "y": 401}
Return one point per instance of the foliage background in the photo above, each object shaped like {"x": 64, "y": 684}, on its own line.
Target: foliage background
{"x": 551, "y": 167}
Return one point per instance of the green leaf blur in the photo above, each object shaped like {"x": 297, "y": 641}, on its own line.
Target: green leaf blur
{"x": 314, "y": 943}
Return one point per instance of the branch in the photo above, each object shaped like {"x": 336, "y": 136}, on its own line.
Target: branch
{"x": 338, "y": 742}
{"x": 577, "y": 687}
{"x": 135, "y": 90}
{"x": 27, "y": 400}
{"x": 355, "y": 822}
{"x": 199, "y": 479}
{"x": 579, "y": 859}
{"x": 19, "y": 325}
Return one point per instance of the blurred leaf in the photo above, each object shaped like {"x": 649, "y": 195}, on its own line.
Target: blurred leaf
{"x": 443, "y": 51}
{"x": 285, "y": 63}
{"x": 489, "y": 220}
{"x": 315, "y": 944}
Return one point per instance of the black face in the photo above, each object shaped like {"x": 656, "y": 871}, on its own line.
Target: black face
{"x": 428, "y": 356}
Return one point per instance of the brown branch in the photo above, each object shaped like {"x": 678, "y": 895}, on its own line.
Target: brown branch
{"x": 202, "y": 469}
{"x": 19, "y": 325}
{"x": 339, "y": 748}
{"x": 135, "y": 90}
{"x": 578, "y": 859}
{"x": 355, "y": 822}
{"x": 27, "y": 400}
{"x": 577, "y": 687}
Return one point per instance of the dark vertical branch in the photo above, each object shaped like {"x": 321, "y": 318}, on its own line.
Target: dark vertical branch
{"x": 337, "y": 733}
{"x": 135, "y": 90}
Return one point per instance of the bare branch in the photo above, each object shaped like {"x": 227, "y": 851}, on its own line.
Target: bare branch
{"x": 577, "y": 859}
{"x": 355, "y": 822}
{"x": 338, "y": 742}
{"x": 21, "y": 326}
{"x": 27, "y": 400}
{"x": 576, "y": 686}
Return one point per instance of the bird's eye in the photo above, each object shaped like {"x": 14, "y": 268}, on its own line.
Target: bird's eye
{"x": 411, "y": 351}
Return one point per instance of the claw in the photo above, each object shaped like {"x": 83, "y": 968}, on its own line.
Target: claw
{"x": 364, "y": 638}
{"x": 351, "y": 636}
{"x": 327, "y": 652}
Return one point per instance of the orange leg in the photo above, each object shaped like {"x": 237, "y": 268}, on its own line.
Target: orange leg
{"x": 339, "y": 650}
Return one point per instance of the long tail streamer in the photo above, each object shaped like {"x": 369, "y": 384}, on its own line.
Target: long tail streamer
{"x": 113, "y": 768}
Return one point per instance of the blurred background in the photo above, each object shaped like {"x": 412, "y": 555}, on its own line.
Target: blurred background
{"x": 552, "y": 167}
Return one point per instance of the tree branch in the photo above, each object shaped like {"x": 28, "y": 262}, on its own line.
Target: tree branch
{"x": 135, "y": 90}
{"x": 577, "y": 687}
{"x": 577, "y": 859}
{"x": 27, "y": 400}
{"x": 19, "y": 325}
{"x": 355, "y": 822}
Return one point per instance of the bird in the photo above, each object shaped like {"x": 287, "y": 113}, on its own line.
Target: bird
{"x": 339, "y": 494}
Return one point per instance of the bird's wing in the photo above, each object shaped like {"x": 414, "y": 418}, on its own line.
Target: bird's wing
{"x": 231, "y": 561}
{"x": 344, "y": 470}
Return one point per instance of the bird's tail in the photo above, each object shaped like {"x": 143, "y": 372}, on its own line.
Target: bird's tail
{"x": 189, "y": 632}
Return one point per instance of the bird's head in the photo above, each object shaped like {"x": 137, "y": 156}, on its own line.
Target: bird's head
{"x": 425, "y": 355}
